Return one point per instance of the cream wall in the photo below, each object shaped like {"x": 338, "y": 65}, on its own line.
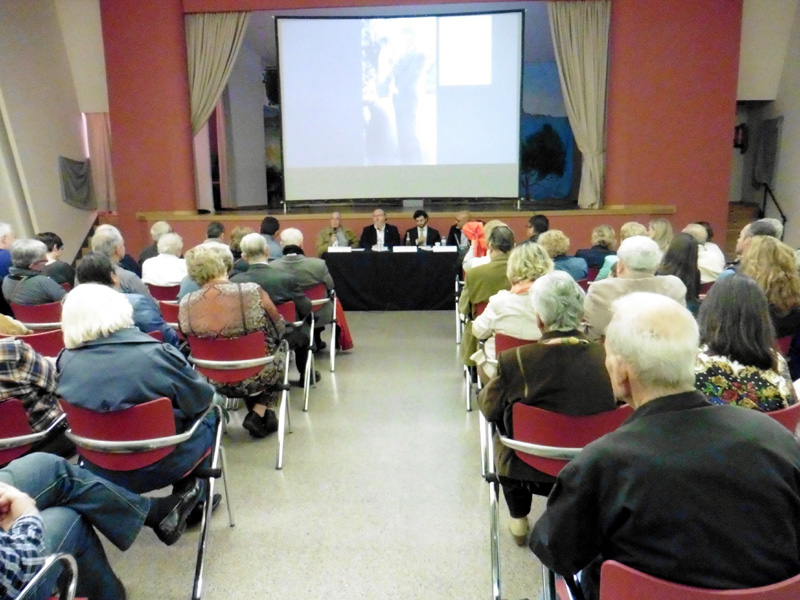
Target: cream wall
{"x": 43, "y": 120}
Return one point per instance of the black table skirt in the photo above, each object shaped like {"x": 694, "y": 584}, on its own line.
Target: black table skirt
{"x": 387, "y": 281}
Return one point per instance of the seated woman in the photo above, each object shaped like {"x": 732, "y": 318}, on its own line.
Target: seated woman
{"x": 681, "y": 260}
{"x": 557, "y": 244}
{"x": 604, "y": 243}
{"x": 25, "y": 283}
{"x": 563, "y": 372}
{"x": 509, "y": 311}
{"x": 109, "y": 365}
{"x": 98, "y": 268}
{"x": 737, "y": 362}
{"x": 224, "y": 309}
{"x": 660, "y": 231}
{"x": 477, "y": 253}
{"x": 629, "y": 229}
{"x": 773, "y": 266}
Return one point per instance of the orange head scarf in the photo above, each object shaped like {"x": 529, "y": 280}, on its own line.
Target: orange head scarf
{"x": 474, "y": 232}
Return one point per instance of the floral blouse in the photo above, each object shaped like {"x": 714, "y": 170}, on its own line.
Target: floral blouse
{"x": 726, "y": 381}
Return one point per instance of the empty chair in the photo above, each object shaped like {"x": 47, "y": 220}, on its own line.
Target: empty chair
{"x": 164, "y": 293}
{"x": 320, "y": 297}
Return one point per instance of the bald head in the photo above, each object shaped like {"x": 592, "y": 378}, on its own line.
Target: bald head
{"x": 336, "y": 220}
{"x": 462, "y": 218}
{"x": 651, "y": 348}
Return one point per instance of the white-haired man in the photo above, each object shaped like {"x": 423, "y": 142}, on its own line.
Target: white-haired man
{"x": 25, "y": 283}
{"x": 638, "y": 258}
{"x": 335, "y": 234}
{"x": 308, "y": 273}
{"x": 108, "y": 240}
{"x": 699, "y": 494}
{"x": 158, "y": 229}
{"x": 710, "y": 259}
{"x": 168, "y": 268}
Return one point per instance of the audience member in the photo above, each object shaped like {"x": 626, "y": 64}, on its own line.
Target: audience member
{"x": 701, "y": 495}
{"x": 477, "y": 234}
{"x": 157, "y": 229}
{"x": 335, "y": 234}
{"x": 639, "y": 258}
{"x": 537, "y": 225}
{"x": 189, "y": 285}
{"x": 31, "y": 379}
{"x": 269, "y": 229}
{"x": 777, "y": 224}
{"x": 308, "y": 272}
{"x": 773, "y": 266}
{"x": 660, "y": 231}
{"x": 557, "y": 244}
{"x": 604, "y": 243}
{"x": 422, "y": 235}
{"x": 97, "y": 268}
{"x": 281, "y": 286}
{"x": 168, "y": 268}
{"x": 221, "y": 309}
{"x": 109, "y": 365}
{"x": 481, "y": 283}
{"x": 239, "y": 264}
{"x": 25, "y": 283}
{"x": 49, "y": 505}
{"x": 7, "y": 238}
{"x": 629, "y": 229}
{"x": 746, "y": 236}
{"x": 738, "y": 363}
{"x": 56, "y": 269}
{"x": 107, "y": 240}
{"x": 215, "y": 232}
{"x": 681, "y": 260}
{"x": 456, "y": 237}
{"x": 509, "y": 311}
{"x": 380, "y": 234}
{"x": 553, "y": 374}
{"x": 710, "y": 259}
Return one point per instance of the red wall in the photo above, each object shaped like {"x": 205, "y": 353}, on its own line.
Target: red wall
{"x": 672, "y": 92}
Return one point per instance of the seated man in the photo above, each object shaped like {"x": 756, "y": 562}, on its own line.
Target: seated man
{"x": 483, "y": 282}
{"x": 281, "y": 286}
{"x": 422, "y": 235}
{"x": 107, "y": 240}
{"x": 96, "y": 268}
{"x": 380, "y": 233}
{"x": 335, "y": 234}
{"x": 456, "y": 237}
{"x": 168, "y": 268}
{"x": 552, "y": 374}
{"x": 638, "y": 258}
{"x": 215, "y": 232}
{"x": 308, "y": 272}
{"x": 710, "y": 259}
{"x": 48, "y": 505}
{"x": 25, "y": 283}
{"x": 31, "y": 378}
{"x": 56, "y": 269}
{"x": 746, "y": 236}
{"x": 537, "y": 225}
{"x": 269, "y": 229}
{"x": 697, "y": 494}
{"x": 158, "y": 229}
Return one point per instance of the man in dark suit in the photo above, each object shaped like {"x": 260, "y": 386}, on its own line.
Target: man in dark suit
{"x": 281, "y": 286}
{"x": 422, "y": 235}
{"x": 454, "y": 236}
{"x": 380, "y": 233}
{"x": 698, "y": 494}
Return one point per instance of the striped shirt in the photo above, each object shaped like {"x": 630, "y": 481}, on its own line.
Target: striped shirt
{"x": 21, "y": 554}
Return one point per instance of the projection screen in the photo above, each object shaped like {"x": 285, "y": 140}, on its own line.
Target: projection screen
{"x": 400, "y": 107}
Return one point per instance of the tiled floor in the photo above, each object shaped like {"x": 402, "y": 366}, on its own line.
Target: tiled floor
{"x": 380, "y": 496}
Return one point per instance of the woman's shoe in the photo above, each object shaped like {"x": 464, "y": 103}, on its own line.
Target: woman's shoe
{"x": 270, "y": 421}
{"x": 255, "y": 425}
{"x": 519, "y": 530}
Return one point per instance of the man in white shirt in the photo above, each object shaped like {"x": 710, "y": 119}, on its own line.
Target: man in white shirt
{"x": 168, "y": 268}
{"x": 710, "y": 259}
{"x": 380, "y": 233}
{"x": 422, "y": 235}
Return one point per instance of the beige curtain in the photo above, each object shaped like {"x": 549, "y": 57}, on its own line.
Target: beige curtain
{"x": 212, "y": 43}
{"x": 580, "y": 40}
{"x": 98, "y": 129}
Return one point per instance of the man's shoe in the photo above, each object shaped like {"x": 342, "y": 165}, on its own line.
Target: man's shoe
{"x": 299, "y": 382}
{"x": 197, "y": 512}
{"x": 320, "y": 346}
{"x": 270, "y": 421}
{"x": 255, "y": 425}
{"x": 171, "y": 527}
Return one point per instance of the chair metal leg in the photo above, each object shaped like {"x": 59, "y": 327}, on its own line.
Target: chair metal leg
{"x": 333, "y": 344}
{"x": 310, "y": 379}
{"x": 484, "y": 450}
{"x": 494, "y": 536}
{"x": 282, "y": 416}
{"x": 468, "y": 388}
{"x": 228, "y": 504}
{"x": 548, "y": 584}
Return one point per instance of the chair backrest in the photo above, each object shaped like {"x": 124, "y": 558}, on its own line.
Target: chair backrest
{"x": 13, "y": 423}
{"x": 168, "y": 293}
{"x": 783, "y": 344}
{"x": 704, "y": 287}
{"x": 288, "y": 311}
{"x": 169, "y": 311}
{"x": 620, "y": 582}
{"x": 242, "y": 348}
{"x": 593, "y": 272}
{"x": 318, "y": 295}
{"x": 478, "y": 308}
{"x": 46, "y": 343}
{"x": 789, "y": 417}
{"x": 503, "y": 342}
{"x": 38, "y": 316}
{"x": 156, "y": 335}
{"x": 547, "y": 428}
{"x": 584, "y": 283}
{"x": 149, "y": 420}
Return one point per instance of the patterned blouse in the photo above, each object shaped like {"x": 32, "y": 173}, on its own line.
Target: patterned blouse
{"x": 726, "y": 381}
{"x": 224, "y": 309}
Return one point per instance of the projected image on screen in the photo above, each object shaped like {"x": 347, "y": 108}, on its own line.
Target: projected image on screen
{"x": 401, "y": 107}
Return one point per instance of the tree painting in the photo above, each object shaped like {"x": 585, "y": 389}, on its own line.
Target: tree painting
{"x": 542, "y": 155}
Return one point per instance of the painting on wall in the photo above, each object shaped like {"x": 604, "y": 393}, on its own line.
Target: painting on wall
{"x": 547, "y": 146}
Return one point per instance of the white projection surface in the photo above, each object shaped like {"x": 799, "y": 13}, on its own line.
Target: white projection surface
{"x": 401, "y": 107}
